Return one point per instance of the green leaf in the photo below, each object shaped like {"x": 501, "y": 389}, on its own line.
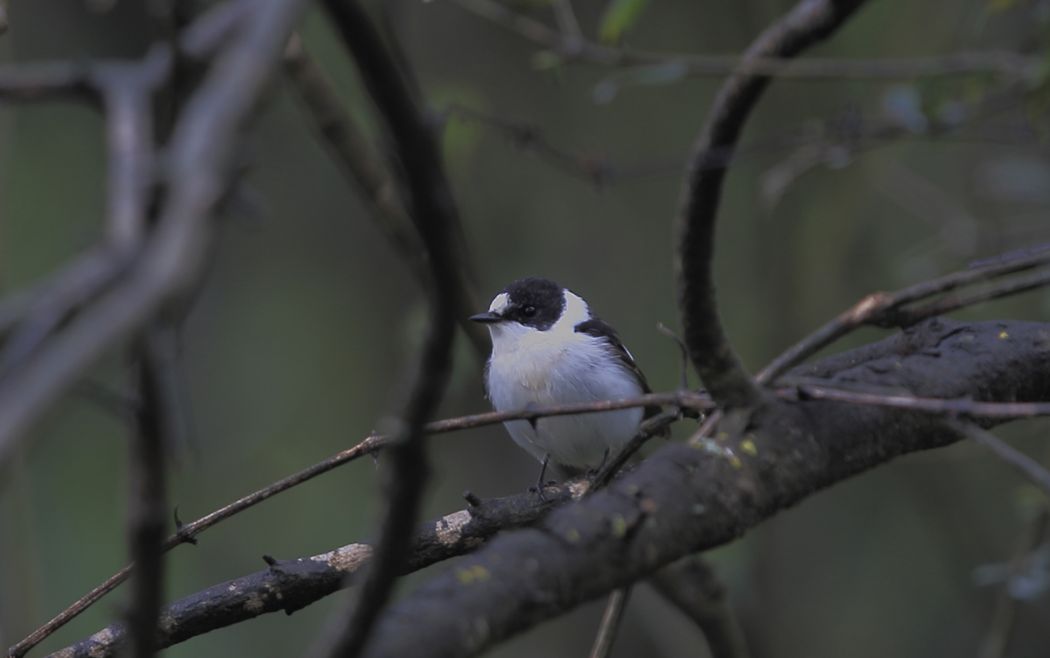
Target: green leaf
{"x": 619, "y": 17}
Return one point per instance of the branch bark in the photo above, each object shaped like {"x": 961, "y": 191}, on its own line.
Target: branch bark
{"x": 289, "y": 585}
{"x": 685, "y": 499}
{"x": 682, "y": 500}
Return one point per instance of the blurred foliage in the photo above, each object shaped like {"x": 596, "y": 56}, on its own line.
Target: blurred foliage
{"x": 301, "y": 341}
{"x": 619, "y": 17}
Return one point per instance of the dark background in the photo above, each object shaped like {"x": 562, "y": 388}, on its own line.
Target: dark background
{"x": 299, "y": 343}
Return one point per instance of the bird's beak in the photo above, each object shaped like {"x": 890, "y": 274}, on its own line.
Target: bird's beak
{"x": 488, "y": 317}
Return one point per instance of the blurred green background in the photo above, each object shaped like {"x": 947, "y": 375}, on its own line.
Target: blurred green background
{"x": 299, "y": 344}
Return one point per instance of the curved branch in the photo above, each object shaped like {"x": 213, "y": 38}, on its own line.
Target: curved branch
{"x": 171, "y": 259}
{"x": 714, "y": 358}
{"x": 685, "y": 499}
{"x": 430, "y": 205}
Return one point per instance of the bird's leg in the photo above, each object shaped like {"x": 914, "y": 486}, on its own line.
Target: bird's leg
{"x": 543, "y": 471}
{"x": 595, "y": 471}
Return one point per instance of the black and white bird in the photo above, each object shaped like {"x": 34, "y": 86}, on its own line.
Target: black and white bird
{"x": 549, "y": 349}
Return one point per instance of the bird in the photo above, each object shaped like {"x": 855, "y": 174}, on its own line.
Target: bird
{"x": 548, "y": 348}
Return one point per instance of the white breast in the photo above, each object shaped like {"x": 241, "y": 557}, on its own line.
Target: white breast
{"x": 560, "y": 366}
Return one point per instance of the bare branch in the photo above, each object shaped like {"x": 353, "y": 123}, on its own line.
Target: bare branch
{"x": 1024, "y": 464}
{"x": 713, "y": 356}
{"x": 936, "y": 406}
{"x": 685, "y": 499}
{"x": 29, "y": 317}
{"x": 884, "y": 309}
{"x": 1000, "y": 631}
{"x": 430, "y": 205}
{"x": 692, "y": 586}
{"x": 1026, "y": 283}
{"x": 188, "y": 532}
{"x": 170, "y": 260}
{"x": 567, "y": 21}
{"x": 345, "y": 141}
{"x": 50, "y": 81}
{"x": 571, "y": 48}
{"x": 610, "y": 624}
{"x": 127, "y": 95}
{"x": 148, "y": 507}
{"x": 289, "y": 585}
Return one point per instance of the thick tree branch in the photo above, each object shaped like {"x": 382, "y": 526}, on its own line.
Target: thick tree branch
{"x": 289, "y": 585}
{"x": 188, "y": 532}
{"x": 686, "y": 499}
{"x": 713, "y": 356}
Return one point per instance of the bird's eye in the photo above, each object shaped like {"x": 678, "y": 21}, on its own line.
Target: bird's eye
{"x": 529, "y": 311}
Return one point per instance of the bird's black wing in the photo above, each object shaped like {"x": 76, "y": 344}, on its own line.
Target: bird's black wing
{"x": 602, "y": 329}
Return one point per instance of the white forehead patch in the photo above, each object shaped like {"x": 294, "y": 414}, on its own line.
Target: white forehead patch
{"x": 499, "y": 303}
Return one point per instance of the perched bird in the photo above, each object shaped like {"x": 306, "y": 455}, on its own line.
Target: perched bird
{"x": 548, "y": 349}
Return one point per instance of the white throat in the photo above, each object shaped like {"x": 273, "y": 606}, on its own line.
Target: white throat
{"x": 510, "y": 337}
{"x": 560, "y": 366}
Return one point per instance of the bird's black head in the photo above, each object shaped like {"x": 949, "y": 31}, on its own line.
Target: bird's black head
{"x": 533, "y": 301}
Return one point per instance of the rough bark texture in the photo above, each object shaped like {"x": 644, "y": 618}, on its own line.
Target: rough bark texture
{"x": 290, "y": 585}
{"x": 681, "y": 500}
{"x": 685, "y": 499}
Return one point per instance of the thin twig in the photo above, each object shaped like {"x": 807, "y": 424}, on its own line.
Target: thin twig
{"x": 878, "y": 308}
{"x": 936, "y": 406}
{"x": 171, "y": 260}
{"x": 909, "y": 316}
{"x": 610, "y": 624}
{"x": 1024, "y": 464}
{"x": 567, "y": 21}
{"x": 348, "y": 145}
{"x": 1001, "y": 63}
{"x": 648, "y": 429}
{"x": 1004, "y": 617}
{"x": 692, "y": 586}
{"x": 31, "y": 316}
{"x": 617, "y": 602}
